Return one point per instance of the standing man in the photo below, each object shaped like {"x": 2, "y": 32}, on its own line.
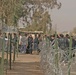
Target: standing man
{"x": 24, "y": 43}
{"x": 1, "y": 41}
{"x": 20, "y": 42}
{"x": 36, "y": 43}
{"x": 30, "y": 41}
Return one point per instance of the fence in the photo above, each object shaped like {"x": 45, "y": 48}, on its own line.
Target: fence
{"x": 7, "y": 56}
{"x": 55, "y": 61}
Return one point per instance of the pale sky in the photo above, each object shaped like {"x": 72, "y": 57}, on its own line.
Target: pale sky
{"x": 65, "y": 18}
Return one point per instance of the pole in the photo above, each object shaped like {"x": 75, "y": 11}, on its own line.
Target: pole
{"x": 7, "y": 50}
{"x": 3, "y": 39}
{"x": 56, "y": 55}
{"x": 2, "y": 60}
{"x": 10, "y": 50}
{"x": 17, "y": 44}
{"x": 14, "y": 52}
{"x": 70, "y": 56}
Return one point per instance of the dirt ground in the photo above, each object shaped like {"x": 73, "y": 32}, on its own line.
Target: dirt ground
{"x": 26, "y": 64}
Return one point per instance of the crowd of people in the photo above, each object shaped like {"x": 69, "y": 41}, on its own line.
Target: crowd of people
{"x": 63, "y": 41}
{"x": 66, "y": 45}
{"x": 29, "y": 44}
{"x": 26, "y": 42}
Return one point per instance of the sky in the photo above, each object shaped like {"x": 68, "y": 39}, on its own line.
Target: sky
{"x": 65, "y": 17}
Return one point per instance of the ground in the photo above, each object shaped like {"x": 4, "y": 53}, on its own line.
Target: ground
{"x": 26, "y": 64}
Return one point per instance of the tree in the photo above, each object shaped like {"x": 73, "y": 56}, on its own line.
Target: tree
{"x": 40, "y": 19}
{"x": 11, "y": 11}
{"x": 34, "y": 12}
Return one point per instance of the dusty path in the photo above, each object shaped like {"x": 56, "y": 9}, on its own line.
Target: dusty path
{"x": 26, "y": 64}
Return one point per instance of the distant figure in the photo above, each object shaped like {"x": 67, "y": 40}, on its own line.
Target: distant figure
{"x": 24, "y": 43}
{"x": 30, "y": 43}
{"x": 20, "y": 42}
{"x": 36, "y": 42}
{"x": 63, "y": 42}
{"x": 6, "y": 43}
{"x": 40, "y": 43}
{"x": 1, "y": 41}
{"x": 15, "y": 40}
{"x": 67, "y": 37}
{"x": 64, "y": 46}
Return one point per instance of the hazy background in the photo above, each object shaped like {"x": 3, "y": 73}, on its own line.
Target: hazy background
{"x": 65, "y": 18}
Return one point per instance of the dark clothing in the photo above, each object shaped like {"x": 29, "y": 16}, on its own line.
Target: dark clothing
{"x": 63, "y": 43}
{"x": 14, "y": 41}
{"x": 36, "y": 42}
{"x": 67, "y": 42}
{"x": 73, "y": 43}
{"x": 30, "y": 41}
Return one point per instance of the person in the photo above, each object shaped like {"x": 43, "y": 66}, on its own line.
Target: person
{"x": 20, "y": 42}
{"x": 63, "y": 42}
{"x": 67, "y": 38}
{"x": 24, "y": 43}
{"x": 6, "y": 43}
{"x": 73, "y": 46}
{"x": 1, "y": 41}
{"x": 52, "y": 40}
{"x": 40, "y": 43}
{"x": 30, "y": 41}
{"x": 73, "y": 42}
{"x": 14, "y": 39}
{"x": 36, "y": 42}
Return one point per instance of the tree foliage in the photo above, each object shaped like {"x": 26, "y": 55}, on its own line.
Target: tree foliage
{"x": 47, "y": 3}
{"x": 40, "y": 19}
{"x": 10, "y": 11}
{"x": 34, "y": 12}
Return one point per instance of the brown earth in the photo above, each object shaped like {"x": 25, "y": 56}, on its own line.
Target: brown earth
{"x": 26, "y": 64}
